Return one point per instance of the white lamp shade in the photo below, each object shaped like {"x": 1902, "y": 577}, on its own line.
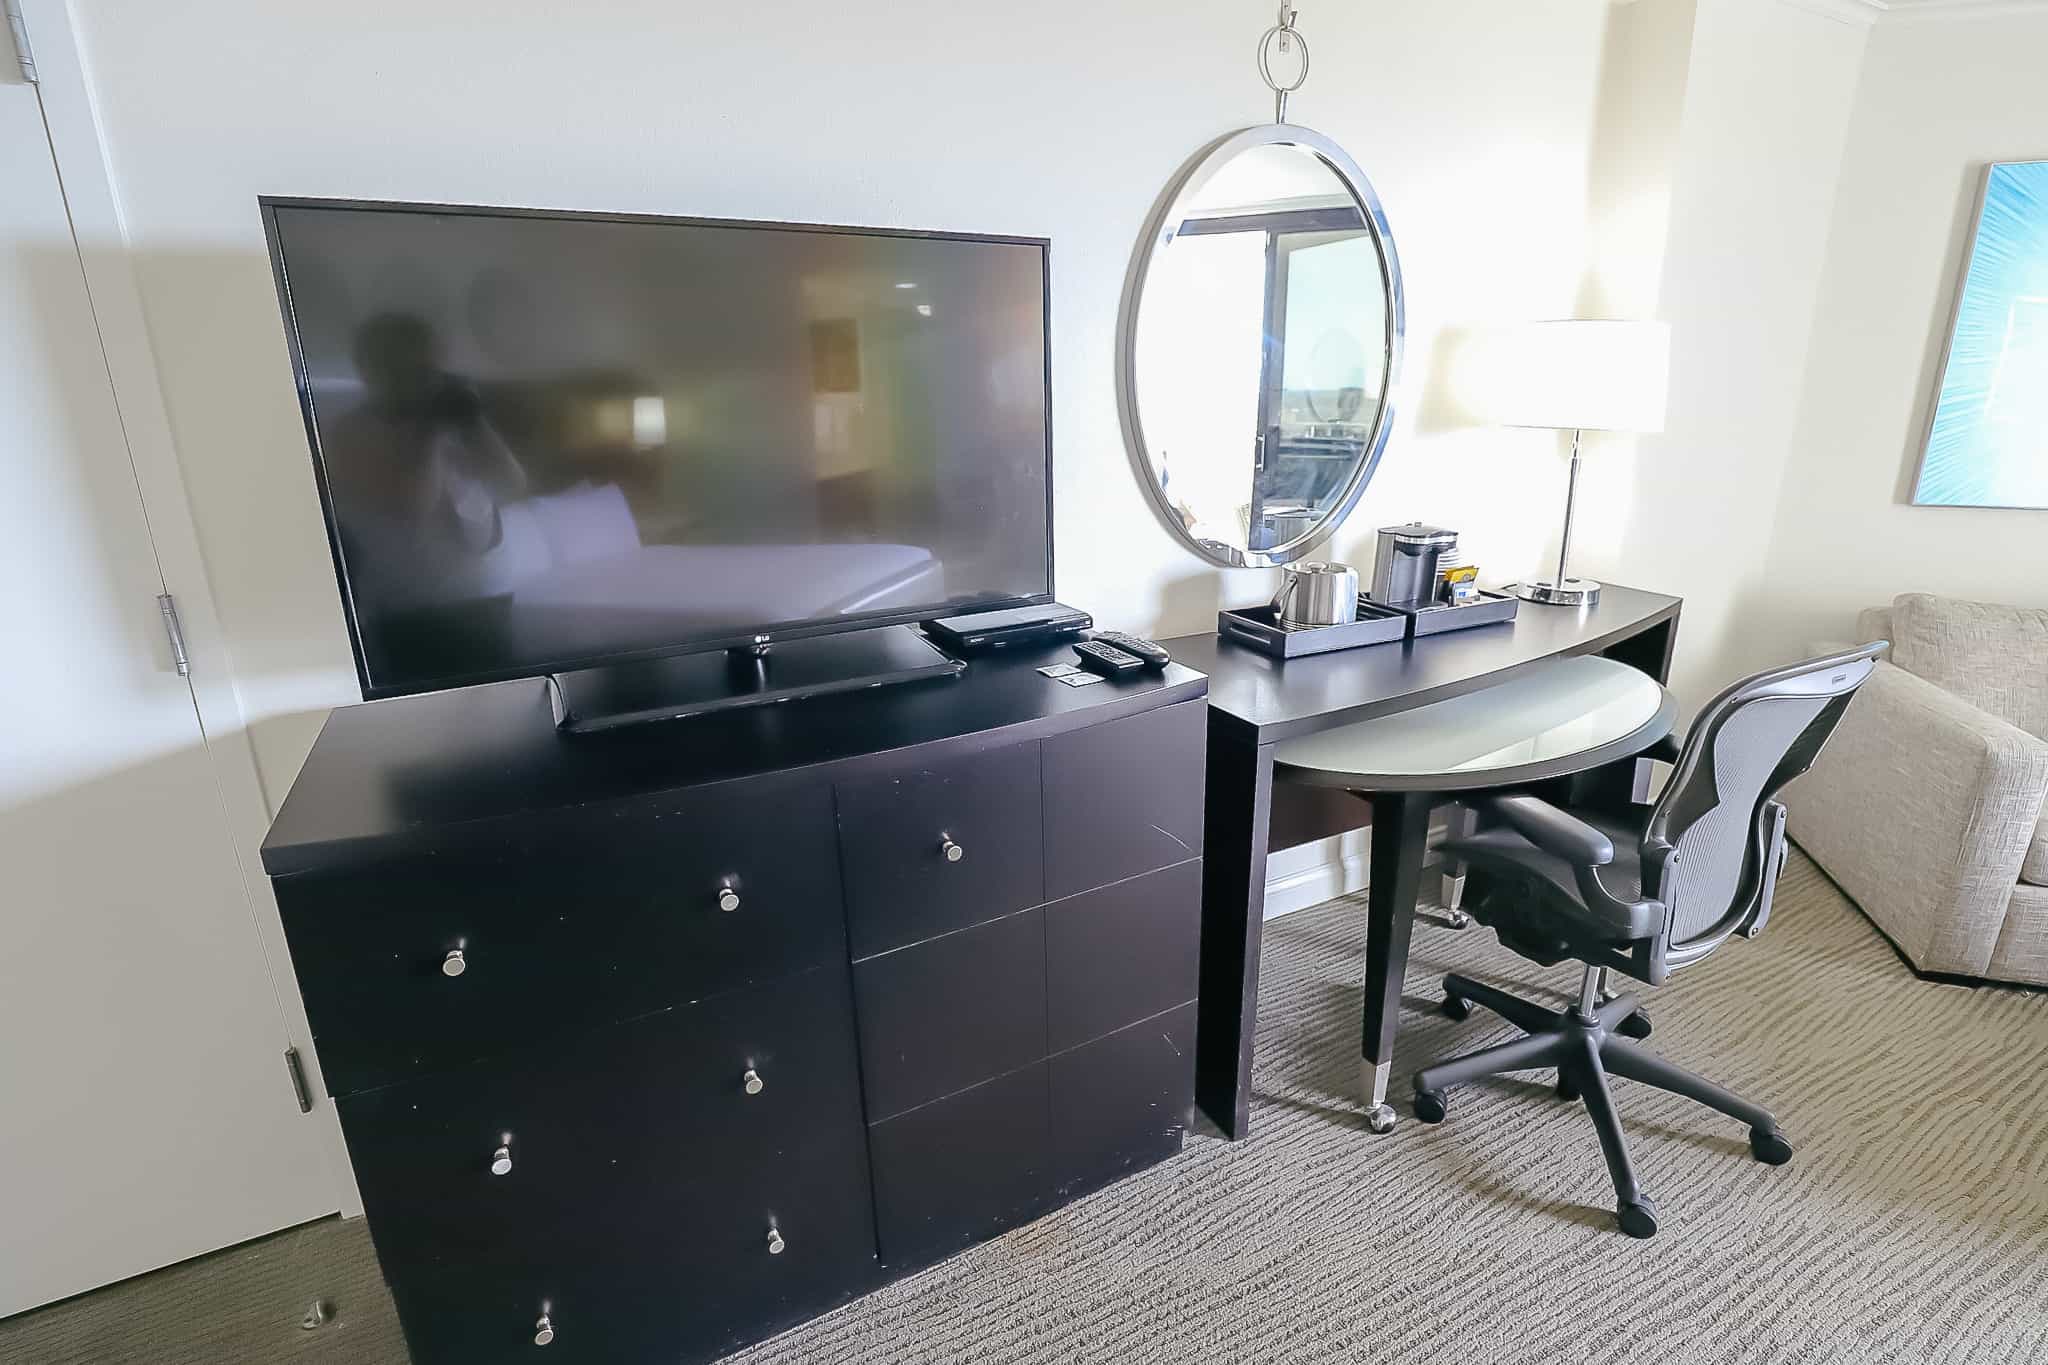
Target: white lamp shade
{"x": 1594, "y": 376}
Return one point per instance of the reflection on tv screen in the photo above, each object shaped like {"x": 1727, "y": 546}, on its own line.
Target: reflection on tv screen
{"x": 546, "y": 441}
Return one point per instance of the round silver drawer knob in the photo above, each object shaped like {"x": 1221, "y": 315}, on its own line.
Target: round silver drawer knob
{"x": 953, "y": 852}
{"x": 543, "y": 1330}
{"x": 501, "y": 1161}
{"x": 728, "y": 899}
{"x": 454, "y": 964}
{"x": 775, "y": 1242}
{"x": 751, "y": 1082}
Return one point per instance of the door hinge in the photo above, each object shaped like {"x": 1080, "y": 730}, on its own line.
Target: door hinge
{"x": 168, "y": 605}
{"x": 18, "y": 28}
{"x": 298, "y": 1071}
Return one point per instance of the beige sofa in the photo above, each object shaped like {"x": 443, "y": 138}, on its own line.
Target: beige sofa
{"x": 1926, "y": 807}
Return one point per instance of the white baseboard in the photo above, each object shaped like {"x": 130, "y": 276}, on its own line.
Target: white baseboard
{"x": 1296, "y": 884}
{"x": 1312, "y": 873}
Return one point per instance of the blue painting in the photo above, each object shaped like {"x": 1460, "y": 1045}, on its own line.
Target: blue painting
{"x": 1988, "y": 443}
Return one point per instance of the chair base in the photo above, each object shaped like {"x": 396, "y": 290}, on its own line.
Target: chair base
{"x": 1586, "y": 1050}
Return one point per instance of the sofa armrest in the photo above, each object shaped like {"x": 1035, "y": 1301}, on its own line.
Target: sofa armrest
{"x": 1921, "y": 807}
{"x": 1875, "y": 623}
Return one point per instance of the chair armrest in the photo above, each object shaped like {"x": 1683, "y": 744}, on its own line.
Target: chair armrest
{"x": 1921, "y": 807}
{"x": 1550, "y": 829}
{"x": 1587, "y": 849}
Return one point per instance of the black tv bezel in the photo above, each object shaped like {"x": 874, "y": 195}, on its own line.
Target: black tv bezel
{"x": 766, "y": 633}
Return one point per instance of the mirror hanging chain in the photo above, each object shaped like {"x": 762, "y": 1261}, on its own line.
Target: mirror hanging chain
{"x": 1283, "y": 36}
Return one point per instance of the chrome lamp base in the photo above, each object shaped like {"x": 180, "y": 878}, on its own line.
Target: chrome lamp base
{"x": 1572, "y": 592}
{"x": 1561, "y": 589}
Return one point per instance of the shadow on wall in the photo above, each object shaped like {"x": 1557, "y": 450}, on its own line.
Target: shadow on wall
{"x": 1934, "y": 353}
{"x": 242, "y": 448}
{"x": 1196, "y": 596}
{"x": 1799, "y": 632}
{"x": 1442, "y": 405}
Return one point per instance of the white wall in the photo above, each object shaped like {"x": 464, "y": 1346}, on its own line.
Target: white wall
{"x": 1751, "y": 189}
{"x": 1938, "y": 101}
{"x": 1643, "y": 74}
{"x": 1473, "y": 117}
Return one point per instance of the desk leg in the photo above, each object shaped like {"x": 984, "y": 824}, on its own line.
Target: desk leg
{"x": 1234, "y": 837}
{"x": 1463, "y": 823}
{"x": 1400, "y": 841}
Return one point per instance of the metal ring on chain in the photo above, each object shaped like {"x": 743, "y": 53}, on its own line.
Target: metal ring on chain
{"x": 1266, "y": 59}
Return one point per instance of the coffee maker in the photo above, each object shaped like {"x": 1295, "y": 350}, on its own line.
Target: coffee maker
{"x": 1404, "y": 567}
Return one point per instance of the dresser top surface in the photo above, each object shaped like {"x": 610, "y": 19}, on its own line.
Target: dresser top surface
{"x": 388, "y": 777}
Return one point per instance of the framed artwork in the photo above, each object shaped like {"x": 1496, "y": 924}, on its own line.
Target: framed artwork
{"x": 1987, "y": 443}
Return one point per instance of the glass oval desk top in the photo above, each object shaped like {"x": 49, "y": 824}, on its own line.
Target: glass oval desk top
{"x": 1561, "y": 716}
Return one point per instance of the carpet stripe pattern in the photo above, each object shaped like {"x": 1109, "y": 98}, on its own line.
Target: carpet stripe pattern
{"x": 1911, "y": 1225}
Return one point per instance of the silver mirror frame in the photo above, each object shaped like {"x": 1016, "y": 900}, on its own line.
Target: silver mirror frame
{"x": 1186, "y": 185}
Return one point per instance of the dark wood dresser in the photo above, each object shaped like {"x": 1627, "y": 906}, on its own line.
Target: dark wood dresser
{"x": 647, "y": 1045}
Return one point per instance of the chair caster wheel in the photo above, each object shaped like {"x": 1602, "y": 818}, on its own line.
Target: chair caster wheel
{"x": 1456, "y": 1007}
{"x": 1380, "y": 1118}
{"x": 1457, "y": 919}
{"x": 1431, "y": 1106}
{"x": 1769, "y": 1145}
{"x": 1637, "y": 1025}
{"x": 1566, "y": 1090}
{"x": 1638, "y": 1218}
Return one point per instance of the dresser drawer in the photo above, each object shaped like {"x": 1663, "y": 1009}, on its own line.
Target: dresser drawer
{"x": 582, "y": 1145}
{"x": 962, "y": 1169}
{"x": 940, "y": 1016}
{"x": 705, "y": 1283}
{"x": 1122, "y": 1102}
{"x": 435, "y": 962}
{"x": 929, "y": 850}
{"x": 1124, "y": 798}
{"x": 1121, "y": 953}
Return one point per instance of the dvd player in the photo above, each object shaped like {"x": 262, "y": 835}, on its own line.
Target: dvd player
{"x": 986, "y": 630}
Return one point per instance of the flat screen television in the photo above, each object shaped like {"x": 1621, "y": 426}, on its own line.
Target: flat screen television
{"x": 553, "y": 441}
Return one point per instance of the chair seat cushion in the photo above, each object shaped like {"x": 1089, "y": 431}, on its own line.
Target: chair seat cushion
{"x": 1531, "y": 898}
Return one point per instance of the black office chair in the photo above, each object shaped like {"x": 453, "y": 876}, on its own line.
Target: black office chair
{"x": 1642, "y": 892}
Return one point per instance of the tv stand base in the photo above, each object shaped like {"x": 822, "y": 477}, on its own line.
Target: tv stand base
{"x": 595, "y": 699}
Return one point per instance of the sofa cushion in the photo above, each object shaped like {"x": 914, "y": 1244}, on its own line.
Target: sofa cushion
{"x": 2035, "y": 869}
{"x": 1993, "y": 657}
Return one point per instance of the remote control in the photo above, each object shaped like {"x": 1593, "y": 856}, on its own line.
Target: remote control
{"x": 1149, "y": 651}
{"x": 1107, "y": 660}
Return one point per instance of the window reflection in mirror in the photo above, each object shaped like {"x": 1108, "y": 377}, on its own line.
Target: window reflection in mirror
{"x": 1261, "y": 350}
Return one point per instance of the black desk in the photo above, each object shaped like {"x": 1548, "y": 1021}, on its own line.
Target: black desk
{"x": 1255, "y": 701}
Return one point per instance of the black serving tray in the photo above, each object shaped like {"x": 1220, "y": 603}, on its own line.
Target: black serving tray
{"x": 1256, "y": 628}
{"x": 1488, "y": 608}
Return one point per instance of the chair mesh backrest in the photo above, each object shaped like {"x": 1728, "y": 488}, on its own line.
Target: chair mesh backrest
{"x": 1746, "y": 744}
{"x": 1712, "y": 856}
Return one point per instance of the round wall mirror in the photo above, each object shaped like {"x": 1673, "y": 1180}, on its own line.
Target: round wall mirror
{"x": 1261, "y": 341}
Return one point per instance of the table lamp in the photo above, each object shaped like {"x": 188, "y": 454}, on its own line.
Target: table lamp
{"x": 1575, "y": 376}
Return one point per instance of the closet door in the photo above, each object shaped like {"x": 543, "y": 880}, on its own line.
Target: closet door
{"x": 146, "y": 1114}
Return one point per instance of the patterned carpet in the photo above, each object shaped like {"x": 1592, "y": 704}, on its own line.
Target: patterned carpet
{"x": 1912, "y": 1225}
